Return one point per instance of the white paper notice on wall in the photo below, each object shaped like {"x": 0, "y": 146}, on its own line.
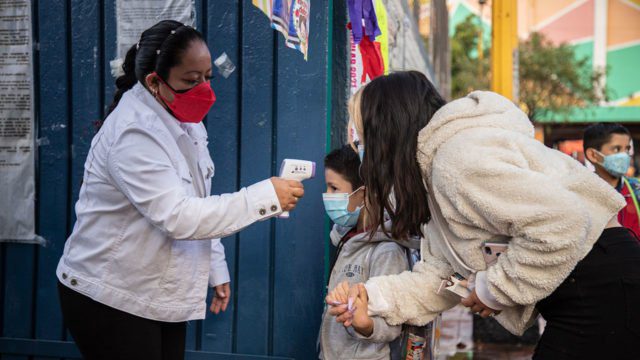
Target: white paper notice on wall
{"x": 135, "y": 16}
{"x": 17, "y": 166}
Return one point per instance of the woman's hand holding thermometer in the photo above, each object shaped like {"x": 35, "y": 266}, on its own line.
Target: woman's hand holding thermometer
{"x": 292, "y": 169}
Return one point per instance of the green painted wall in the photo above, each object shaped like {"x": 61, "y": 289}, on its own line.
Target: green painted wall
{"x": 624, "y": 72}
{"x": 584, "y": 49}
{"x": 460, "y": 14}
{"x": 623, "y": 77}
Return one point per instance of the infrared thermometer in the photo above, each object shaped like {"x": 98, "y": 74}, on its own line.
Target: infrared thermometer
{"x": 292, "y": 169}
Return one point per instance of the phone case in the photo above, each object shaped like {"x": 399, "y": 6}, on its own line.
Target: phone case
{"x": 453, "y": 285}
{"x": 491, "y": 252}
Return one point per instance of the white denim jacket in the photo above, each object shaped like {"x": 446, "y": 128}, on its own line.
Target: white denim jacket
{"x": 142, "y": 240}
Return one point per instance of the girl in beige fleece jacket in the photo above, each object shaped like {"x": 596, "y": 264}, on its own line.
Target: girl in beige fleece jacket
{"x": 472, "y": 171}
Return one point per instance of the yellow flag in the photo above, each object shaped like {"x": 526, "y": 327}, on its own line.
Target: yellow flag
{"x": 264, "y": 5}
{"x": 383, "y": 38}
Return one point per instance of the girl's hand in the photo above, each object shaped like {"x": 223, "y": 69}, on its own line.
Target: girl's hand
{"x": 350, "y": 305}
{"x": 338, "y": 301}
{"x": 339, "y": 295}
{"x": 473, "y": 302}
{"x": 361, "y": 321}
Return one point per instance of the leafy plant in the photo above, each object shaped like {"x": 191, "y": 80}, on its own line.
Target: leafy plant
{"x": 551, "y": 78}
{"x": 468, "y": 72}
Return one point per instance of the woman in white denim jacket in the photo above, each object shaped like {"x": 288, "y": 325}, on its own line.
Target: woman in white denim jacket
{"x": 146, "y": 240}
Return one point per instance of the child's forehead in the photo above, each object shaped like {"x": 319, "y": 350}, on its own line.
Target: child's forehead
{"x": 618, "y": 139}
{"x": 335, "y": 178}
{"x": 332, "y": 174}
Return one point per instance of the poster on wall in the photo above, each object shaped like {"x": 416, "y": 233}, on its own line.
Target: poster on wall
{"x": 17, "y": 162}
{"x": 291, "y": 19}
{"x": 135, "y": 16}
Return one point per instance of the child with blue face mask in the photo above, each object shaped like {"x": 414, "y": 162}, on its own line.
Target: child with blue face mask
{"x": 358, "y": 258}
{"x": 607, "y": 147}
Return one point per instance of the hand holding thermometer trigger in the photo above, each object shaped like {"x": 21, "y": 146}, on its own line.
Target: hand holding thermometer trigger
{"x": 292, "y": 169}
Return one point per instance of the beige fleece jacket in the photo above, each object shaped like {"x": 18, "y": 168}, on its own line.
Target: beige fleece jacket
{"x": 493, "y": 180}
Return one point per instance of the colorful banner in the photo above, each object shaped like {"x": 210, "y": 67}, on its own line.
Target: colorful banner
{"x": 264, "y": 5}
{"x": 355, "y": 67}
{"x": 364, "y": 57}
{"x": 383, "y": 39}
{"x": 291, "y": 18}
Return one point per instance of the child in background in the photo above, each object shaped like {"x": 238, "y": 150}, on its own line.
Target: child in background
{"x": 607, "y": 147}
{"x": 358, "y": 258}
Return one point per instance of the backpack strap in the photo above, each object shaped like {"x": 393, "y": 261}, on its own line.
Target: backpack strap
{"x": 632, "y": 186}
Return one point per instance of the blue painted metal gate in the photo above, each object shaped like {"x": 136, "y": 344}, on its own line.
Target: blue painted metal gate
{"x": 274, "y": 106}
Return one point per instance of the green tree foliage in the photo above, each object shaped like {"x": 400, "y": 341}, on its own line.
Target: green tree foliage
{"x": 551, "y": 79}
{"x": 468, "y": 73}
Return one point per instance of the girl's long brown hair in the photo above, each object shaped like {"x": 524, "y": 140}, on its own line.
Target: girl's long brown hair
{"x": 393, "y": 109}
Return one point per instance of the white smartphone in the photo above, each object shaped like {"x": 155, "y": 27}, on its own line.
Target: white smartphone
{"x": 453, "y": 285}
{"x": 492, "y": 251}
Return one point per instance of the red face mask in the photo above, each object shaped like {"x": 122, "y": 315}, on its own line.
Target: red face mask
{"x": 191, "y": 105}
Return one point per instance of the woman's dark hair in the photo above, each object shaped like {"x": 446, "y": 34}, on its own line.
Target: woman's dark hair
{"x": 394, "y": 109}
{"x": 160, "y": 48}
{"x": 346, "y": 162}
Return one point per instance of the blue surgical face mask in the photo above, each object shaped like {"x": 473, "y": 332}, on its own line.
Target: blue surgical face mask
{"x": 361, "y": 153}
{"x": 337, "y": 207}
{"x": 616, "y": 164}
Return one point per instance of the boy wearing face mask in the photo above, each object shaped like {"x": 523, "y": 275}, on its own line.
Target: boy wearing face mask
{"x": 358, "y": 258}
{"x": 607, "y": 147}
